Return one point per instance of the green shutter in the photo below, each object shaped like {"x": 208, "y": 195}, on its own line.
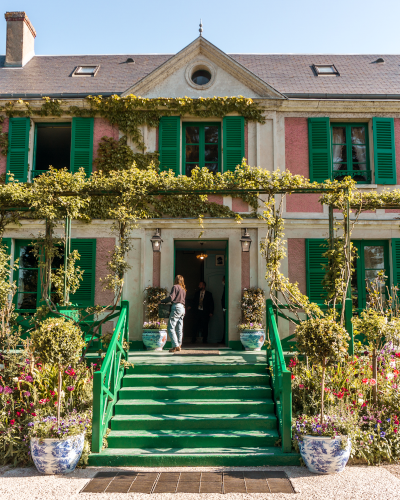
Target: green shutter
{"x": 18, "y": 148}
{"x": 315, "y": 272}
{"x": 384, "y": 150}
{"x": 169, "y": 143}
{"x": 233, "y": 143}
{"x": 396, "y": 261}
{"x": 7, "y": 243}
{"x": 319, "y": 145}
{"x": 82, "y": 144}
{"x": 84, "y": 296}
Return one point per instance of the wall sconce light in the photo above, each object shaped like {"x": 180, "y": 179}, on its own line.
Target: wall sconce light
{"x": 156, "y": 241}
{"x": 245, "y": 240}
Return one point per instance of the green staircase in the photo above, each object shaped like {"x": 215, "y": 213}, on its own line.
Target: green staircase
{"x": 194, "y": 414}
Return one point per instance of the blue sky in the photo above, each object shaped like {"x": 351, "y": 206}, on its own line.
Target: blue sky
{"x": 259, "y": 26}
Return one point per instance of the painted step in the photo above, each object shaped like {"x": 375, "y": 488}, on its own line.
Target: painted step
{"x": 220, "y": 379}
{"x": 189, "y": 457}
{"x": 195, "y": 392}
{"x": 198, "y": 367}
{"x": 193, "y": 421}
{"x": 213, "y": 438}
{"x": 198, "y": 406}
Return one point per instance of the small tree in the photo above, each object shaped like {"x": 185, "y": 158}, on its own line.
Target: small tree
{"x": 324, "y": 341}
{"x": 153, "y": 296}
{"x": 253, "y": 305}
{"x": 58, "y": 342}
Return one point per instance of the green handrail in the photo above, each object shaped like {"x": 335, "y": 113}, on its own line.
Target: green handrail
{"x": 281, "y": 381}
{"x": 107, "y": 381}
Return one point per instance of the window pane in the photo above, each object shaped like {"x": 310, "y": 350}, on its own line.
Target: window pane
{"x": 212, "y": 167}
{"x": 189, "y": 168}
{"x": 359, "y": 154}
{"x": 211, "y": 134}
{"x": 339, "y": 154}
{"x": 360, "y": 166}
{"x": 27, "y": 280}
{"x": 26, "y": 257}
{"x": 358, "y": 135}
{"x": 370, "y": 275}
{"x": 26, "y": 301}
{"x": 86, "y": 70}
{"x": 59, "y": 261}
{"x": 339, "y": 135}
{"x": 192, "y": 135}
{"x": 211, "y": 153}
{"x": 53, "y": 147}
{"x": 192, "y": 153}
{"x": 374, "y": 257}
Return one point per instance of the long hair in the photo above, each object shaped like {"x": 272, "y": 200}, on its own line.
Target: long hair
{"x": 180, "y": 281}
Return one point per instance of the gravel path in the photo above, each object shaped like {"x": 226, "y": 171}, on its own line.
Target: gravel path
{"x": 356, "y": 482}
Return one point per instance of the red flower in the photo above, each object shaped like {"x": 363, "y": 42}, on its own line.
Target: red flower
{"x": 19, "y": 413}
{"x": 52, "y": 393}
{"x": 395, "y": 431}
{"x": 12, "y": 422}
{"x": 340, "y": 395}
{"x": 70, "y": 372}
{"x": 365, "y": 381}
{"x": 33, "y": 414}
{"x": 293, "y": 377}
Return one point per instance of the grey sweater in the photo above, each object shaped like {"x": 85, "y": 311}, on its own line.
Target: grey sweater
{"x": 177, "y": 296}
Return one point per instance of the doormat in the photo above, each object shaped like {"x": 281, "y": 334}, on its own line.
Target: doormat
{"x": 197, "y": 352}
{"x": 189, "y": 482}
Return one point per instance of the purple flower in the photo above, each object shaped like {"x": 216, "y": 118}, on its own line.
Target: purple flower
{"x": 28, "y": 378}
{"x": 27, "y": 394}
{"x": 1, "y": 389}
{"x": 383, "y": 434}
{"x": 70, "y": 388}
{"x": 7, "y": 390}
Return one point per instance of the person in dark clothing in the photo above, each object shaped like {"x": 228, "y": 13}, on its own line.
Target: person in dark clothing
{"x": 203, "y": 304}
{"x": 175, "y": 321}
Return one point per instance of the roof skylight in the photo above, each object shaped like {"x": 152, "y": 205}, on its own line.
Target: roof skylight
{"x": 325, "y": 69}
{"x": 85, "y": 71}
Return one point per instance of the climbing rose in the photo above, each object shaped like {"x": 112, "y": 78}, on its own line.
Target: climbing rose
{"x": 372, "y": 381}
{"x": 12, "y": 422}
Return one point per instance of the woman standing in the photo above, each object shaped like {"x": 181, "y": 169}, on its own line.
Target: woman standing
{"x": 175, "y": 321}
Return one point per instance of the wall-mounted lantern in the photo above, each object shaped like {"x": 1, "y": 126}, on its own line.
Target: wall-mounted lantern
{"x": 156, "y": 241}
{"x": 245, "y": 240}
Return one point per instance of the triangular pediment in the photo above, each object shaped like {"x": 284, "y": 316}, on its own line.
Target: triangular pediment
{"x": 229, "y": 78}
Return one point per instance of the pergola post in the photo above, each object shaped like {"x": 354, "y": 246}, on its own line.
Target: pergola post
{"x": 67, "y": 252}
{"x": 348, "y": 303}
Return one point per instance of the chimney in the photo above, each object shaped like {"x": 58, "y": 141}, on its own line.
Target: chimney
{"x": 20, "y": 47}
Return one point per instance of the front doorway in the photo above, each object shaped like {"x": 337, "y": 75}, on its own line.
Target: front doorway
{"x": 213, "y": 270}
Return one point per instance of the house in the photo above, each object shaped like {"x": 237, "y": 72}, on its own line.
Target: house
{"x": 326, "y": 117}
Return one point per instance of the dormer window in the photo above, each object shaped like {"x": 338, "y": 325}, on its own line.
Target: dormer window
{"x": 85, "y": 71}
{"x": 201, "y": 77}
{"x": 325, "y": 69}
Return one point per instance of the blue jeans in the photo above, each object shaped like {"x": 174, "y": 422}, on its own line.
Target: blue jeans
{"x": 175, "y": 324}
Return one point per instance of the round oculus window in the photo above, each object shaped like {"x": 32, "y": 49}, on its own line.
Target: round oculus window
{"x": 201, "y": 77}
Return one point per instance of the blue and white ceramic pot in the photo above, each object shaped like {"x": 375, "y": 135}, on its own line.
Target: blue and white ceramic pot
{"x": 252, "y": 340}
{"x": 324, "y": 455}
{"x": 154, "y": 340}
{"x": 55, "y": 456}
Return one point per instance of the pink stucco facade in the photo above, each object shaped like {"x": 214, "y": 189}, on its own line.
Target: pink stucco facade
{"x": 3, "y": 159}
{"x": 297, "y": 262}
{"x": 297, "y": 162}
{"x": 238, "y": 205}
{"x": 102, "y": 128}
{"x": 103, "y": 248}
{"x": 215, "y": 198}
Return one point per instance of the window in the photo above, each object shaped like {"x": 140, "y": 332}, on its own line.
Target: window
{"x": 52, "y": 147}
{"x": 325, "y": 69}
{"x": 201, "y": 146}
{"x": 201, "y": 77}
{"x": 372, "y": 257}
{"x": 350, "y": 152}
{"x": 29, "y": 288}
{"x": 85, "y": 71}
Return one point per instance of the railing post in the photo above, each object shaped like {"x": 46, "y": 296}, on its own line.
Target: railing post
{"x": 286, "y": 402}
{"x": 348, "y": 315}
{"x": 125, "y": 304}
{"x": 97, "y": 435}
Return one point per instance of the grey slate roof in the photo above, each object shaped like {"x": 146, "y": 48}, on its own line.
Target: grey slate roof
{"x": 290, "y": 74}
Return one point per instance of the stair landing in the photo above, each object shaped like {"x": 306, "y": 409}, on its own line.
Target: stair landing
{"x": 188, "y": 410}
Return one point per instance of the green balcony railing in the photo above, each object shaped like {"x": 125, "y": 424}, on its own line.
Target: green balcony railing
{"x": 281, "y": 381}
{"x": 107, "y": 381}
{"x": 361, "y": 176}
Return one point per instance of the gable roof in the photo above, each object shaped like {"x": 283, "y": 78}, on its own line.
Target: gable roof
{"x": 289, "y": 74}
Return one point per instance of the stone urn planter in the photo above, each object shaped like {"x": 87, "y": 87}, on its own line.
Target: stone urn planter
{"x": 154, "y": 339}
{"x": 252, "y": 339}
{"x": 57, "y": 456}
{"x": 324, "y": 454}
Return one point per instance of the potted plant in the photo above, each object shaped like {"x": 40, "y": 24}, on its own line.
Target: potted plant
{"x": 57, "y": 342}
{"x": 252, "y": 333}
{"x": 154, "y": 334}
{"x": 322, "y": 446}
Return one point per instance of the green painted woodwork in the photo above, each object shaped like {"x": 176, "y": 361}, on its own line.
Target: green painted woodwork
{"x": 196, "y": 379}
{"x": 235, "y": 345}
{"x": 196, "y": 392}
{"x": 7, "y": 244}
{"x": 82, "y": 144}
{"x": 360, "y": 171}
{"x": 202, "y": 144}
{"x": 319, "y": 147}
{"x": 84, "y": 296}
{"x": 136, "y": 345}
{"x": 233, "y": 142}
{"x": 18, "y": 149}
{"x": 169, "y": 143}
{"x": 384, "y": 150}
{"x": 281, "y": 381}
{"x": 396, "y": 261}
{"x": 107, "y": 381}
{"x": 314, "y": 270}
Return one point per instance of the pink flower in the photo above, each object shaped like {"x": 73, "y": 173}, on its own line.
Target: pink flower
{"x": 44, "y": 401}
{"x": 12, "y": 422}
{"x": 365, "y": 381}
{"x": 301, "y": 386}
{"x": 372, "y": 381}
{"x": 70, "y": 388}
